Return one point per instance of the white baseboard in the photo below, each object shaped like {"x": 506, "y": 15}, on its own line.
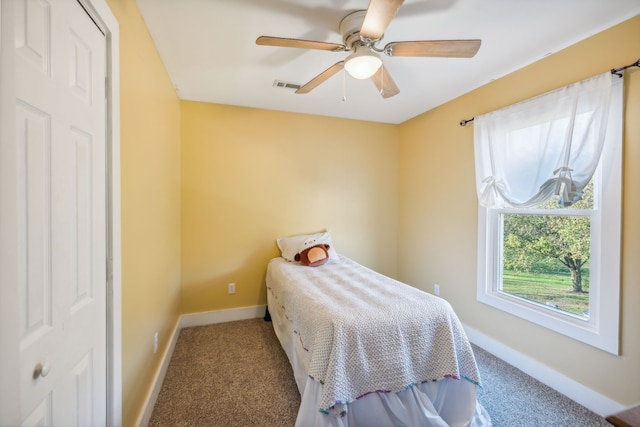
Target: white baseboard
{"x": 220, "y": 316}
{"x": 152, "y": 396}
{"x": 575, "y": 391}
{"x": 185, "y": 321}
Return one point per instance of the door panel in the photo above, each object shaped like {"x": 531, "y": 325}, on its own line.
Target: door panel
{"x": 41, "y": 415}
{"x": 33, "y": 32}
{"x": 33, "y": 140}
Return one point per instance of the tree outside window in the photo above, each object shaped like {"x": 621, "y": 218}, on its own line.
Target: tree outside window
{"x": 546, "y": 257}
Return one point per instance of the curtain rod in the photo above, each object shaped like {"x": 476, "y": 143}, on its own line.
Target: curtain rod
{"x": 616, "y": 71}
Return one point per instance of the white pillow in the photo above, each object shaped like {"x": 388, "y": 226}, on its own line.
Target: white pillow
{"x": 291, "y": 246}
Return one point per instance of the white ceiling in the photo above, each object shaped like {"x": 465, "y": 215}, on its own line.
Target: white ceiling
{"x": 208, "y": 48}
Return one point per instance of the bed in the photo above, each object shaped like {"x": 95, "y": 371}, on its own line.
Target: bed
{"x": 367, "y": 350}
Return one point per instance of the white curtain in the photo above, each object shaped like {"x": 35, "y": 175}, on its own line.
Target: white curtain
{"x": 550, "y": 144}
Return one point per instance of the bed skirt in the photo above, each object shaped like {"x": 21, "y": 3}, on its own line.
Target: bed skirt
{"x": 445, "y": 403}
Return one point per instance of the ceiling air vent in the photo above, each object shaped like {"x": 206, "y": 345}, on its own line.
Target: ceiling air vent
{"x": 285, "y": 85}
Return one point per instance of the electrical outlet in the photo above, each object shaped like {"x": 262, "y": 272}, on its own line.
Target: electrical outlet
{"x": 155, "y": 342}
{"x": 232, "y": 288}
{"x": 436, "y": 289}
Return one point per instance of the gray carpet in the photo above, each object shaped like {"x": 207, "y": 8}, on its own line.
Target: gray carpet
{"x": 236, "y": 374}
{"x": 229, "y": 374}
{"x": 513, "y": 398}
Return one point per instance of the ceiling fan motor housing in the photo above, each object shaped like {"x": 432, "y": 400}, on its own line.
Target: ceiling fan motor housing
{"x": 350, "y": 29}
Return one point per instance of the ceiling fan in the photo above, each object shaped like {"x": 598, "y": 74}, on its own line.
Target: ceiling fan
{"x": 361, "y": 31}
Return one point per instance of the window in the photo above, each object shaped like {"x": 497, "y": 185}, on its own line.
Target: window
{"x": 551, "y": 255}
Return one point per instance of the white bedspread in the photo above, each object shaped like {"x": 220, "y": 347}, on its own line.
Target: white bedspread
{"x": 365, "y": 332}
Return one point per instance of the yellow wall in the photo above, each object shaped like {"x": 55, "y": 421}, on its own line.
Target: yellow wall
{"x": 250, "y": 176}
{"x": 150, "y": 172}
{"x": 438, "y": 222}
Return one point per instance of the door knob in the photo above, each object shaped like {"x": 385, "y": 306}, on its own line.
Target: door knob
{"x": 41, "y": 370}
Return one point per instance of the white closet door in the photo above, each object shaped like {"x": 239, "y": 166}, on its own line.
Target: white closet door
{"x": 54, "y": 187}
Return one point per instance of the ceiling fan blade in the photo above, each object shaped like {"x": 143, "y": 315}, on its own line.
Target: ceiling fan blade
{"x": 320, "y": 78}
{"x": 434, "y": 48}
{"x": 385, "y": 84}
{"x": 379, "y": 15}
{"x": 299, "y": 43}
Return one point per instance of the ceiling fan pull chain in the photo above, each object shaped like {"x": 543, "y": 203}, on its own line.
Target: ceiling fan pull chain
{"x": 382, "y": 84}
{"x": 344, "y": 85}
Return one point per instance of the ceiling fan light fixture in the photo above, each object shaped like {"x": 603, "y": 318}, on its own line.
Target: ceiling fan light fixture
{"x": 363, "y": 63}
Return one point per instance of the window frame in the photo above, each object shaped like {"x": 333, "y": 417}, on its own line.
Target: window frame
{"x": 601, "y": 330}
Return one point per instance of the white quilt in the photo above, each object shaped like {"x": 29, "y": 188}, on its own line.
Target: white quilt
{"x": 366, "y": 332}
